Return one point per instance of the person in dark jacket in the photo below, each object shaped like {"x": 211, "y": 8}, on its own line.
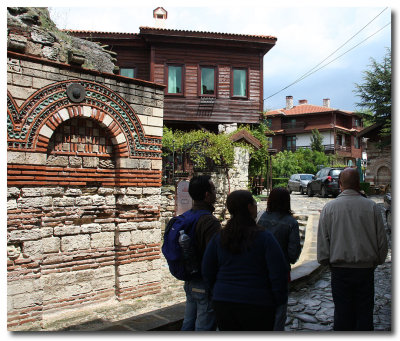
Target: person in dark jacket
{"x": 245, "y": 268}
{"x": 199, "y": 314}
{"x": 278, "y": 219}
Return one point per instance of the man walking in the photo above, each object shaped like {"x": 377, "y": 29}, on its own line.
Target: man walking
{"x": 199, "y": 314}
{"x": 352, "y": 240}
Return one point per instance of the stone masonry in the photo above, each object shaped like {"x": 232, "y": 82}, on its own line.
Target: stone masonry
{"x": 84, "y": 188}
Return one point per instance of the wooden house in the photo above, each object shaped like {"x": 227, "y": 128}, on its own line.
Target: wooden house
{"x": 292, "y": 129}
{"x": 211, "y": 78}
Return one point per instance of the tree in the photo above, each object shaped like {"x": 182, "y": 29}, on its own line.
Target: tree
{"x": 375, "y": 93}
{"x": 258, "y": 160}
{"x": 316, "y": 141}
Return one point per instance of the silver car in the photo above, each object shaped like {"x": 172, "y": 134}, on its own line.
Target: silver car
{"x": 298, "y": 182}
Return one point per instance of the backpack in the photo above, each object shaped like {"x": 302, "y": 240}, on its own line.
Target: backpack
{"x": 171, "y": 248}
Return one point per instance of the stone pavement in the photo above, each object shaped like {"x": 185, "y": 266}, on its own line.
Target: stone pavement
{"x": 310, "y": 300}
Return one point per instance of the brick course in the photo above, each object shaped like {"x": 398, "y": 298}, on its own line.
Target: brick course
{"x": 83, "y": 196}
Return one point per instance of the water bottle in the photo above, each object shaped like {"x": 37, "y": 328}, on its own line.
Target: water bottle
{"x": 189, "y": 256}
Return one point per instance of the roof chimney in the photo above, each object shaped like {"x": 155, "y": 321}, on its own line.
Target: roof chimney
{"x": 160, "y": 16}
{"x": 289, "y": 102}
{"x": 326, "y": 102}
{"x": 303, "y": 101}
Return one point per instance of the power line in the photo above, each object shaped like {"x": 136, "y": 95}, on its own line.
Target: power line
{"x": 346, "y": 51}
{"x": 310, "y": 72}
{"x": 303, "y": 76}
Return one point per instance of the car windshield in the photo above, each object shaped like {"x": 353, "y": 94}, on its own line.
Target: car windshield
{"x": 335, "y": 172}
{"x": 306, "y": 177}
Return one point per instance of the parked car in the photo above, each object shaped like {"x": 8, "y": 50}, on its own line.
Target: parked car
{"x": 387, "y": 203}
{"x": 298, "y": 182}
{"x": 325, "y": 182}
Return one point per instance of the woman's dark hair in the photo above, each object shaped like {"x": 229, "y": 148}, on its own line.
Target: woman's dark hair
{"x": 240, "y": 230}
{"x": 198, "y": 186}
{"x": 279, "y": 201}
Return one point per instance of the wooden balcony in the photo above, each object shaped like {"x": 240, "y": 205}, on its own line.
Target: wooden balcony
{"x": 289, "y": 127}
{"x": 329, "y": 148}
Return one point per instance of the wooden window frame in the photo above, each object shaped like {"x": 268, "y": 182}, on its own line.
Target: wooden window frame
{"x": 199, "y": 68}
{"x": 247, "y": 82}
{"x": 134, "y": 67}
{"x": 166, "y": 74}
{"x": 292, "y": 139}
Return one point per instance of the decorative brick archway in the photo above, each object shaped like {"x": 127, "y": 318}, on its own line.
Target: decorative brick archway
{"x": 83, "y": 197}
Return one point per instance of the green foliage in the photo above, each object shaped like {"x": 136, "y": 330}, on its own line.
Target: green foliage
{"x": 365, "y": 186}
{"x": 257, "y": 164}
{"x": 375, "y": 93}
{"x": 279, "y": 182}
{"x": 286, "y": 163}
{"x": 316, "y": 141}
{"x": 200, "y": 145}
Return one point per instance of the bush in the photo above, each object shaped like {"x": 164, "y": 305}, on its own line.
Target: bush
{"x": 280, "y": 184}
{"x": 366, "y": 187}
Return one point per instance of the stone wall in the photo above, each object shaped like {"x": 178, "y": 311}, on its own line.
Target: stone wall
{"x": 84, "y": 188}
{"x": 237, "y": 178}
{"x": 379, "y": 167}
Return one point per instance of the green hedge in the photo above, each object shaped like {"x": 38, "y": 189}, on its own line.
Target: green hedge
{"x": 280, "y": 182}
{"x": 366, "y": 187}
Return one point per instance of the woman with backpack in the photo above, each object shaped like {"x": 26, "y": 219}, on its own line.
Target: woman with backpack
{"x": 245, "y": 268}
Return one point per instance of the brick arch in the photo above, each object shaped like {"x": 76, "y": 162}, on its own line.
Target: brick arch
{"x": 31, "y": 124}
{"x": 383, "y": 174}
{"x": 105, "y": 121}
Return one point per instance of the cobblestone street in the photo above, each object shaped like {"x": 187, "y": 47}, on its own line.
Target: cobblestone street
{"x": 311, "y": 308}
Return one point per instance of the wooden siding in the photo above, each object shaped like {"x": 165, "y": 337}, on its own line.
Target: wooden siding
{"x": 150, "y": 55}
{"x": 225, "y": 109}
{"x": 135, "y": 57}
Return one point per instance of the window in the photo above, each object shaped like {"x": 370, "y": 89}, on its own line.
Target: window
{"x": 357, "y": 122}
{"x": 239, "y": 83}
{"x": 335, "y": 172}
{"x": 356, "y": 143}
{"x": 291, "y": 143}
{"x": 268, "y": 122}
{"x": 269, "y": 138}
{"x": 207, "y": 85}
{"x": 292, "y": 123}
{"x": 175, "y": 79}
{"x": 127, "y": 72}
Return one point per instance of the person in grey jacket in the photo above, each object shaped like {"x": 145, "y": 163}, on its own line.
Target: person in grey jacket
{"x": 352, "y": 241}
{"x": 279, "y": 220}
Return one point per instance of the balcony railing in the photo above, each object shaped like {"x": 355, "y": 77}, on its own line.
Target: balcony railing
{"x": 329, "y": 148}
{"x": 293, "y": 126}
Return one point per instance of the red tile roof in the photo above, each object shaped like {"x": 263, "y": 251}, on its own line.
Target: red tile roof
{"x": 303, "y": 109}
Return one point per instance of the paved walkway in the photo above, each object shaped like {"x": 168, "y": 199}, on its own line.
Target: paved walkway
{"x": 310, "y": 301}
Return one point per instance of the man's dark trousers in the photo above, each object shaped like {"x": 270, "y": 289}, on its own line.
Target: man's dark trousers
{"x": 353, "y": 295}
